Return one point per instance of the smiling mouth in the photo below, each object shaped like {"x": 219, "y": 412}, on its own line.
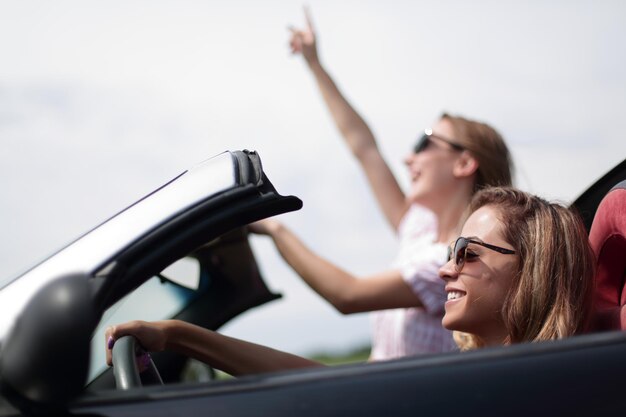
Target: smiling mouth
{"x": 455, "y": 295}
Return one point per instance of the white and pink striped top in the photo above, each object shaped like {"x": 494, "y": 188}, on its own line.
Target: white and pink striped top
{"x": 411, "y": 331}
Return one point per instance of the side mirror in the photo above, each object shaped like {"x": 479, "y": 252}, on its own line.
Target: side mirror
{"x": 45, "y": 357}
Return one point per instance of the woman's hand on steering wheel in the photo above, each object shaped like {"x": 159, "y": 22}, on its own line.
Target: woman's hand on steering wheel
{"x": 151, "y": 335}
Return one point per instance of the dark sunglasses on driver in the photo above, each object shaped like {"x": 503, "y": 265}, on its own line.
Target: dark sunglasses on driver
{"x": 459, "y": 250}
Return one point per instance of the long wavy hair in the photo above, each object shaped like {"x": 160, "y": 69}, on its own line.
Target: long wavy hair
{"x": 552, "y": 295}
{"x": 486, "y": 145}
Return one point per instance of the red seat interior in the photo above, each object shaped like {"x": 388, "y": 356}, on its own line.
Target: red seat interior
{"x": 608, "y": 240}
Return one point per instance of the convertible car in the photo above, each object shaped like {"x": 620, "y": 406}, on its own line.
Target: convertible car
{"x": 183, "y": 252}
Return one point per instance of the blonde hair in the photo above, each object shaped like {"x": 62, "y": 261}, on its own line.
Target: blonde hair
{"x": 552, "y": 297}
{"x": 486, "y": 145}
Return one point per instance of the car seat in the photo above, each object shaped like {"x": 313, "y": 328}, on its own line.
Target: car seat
{"x": 608, "y": 241}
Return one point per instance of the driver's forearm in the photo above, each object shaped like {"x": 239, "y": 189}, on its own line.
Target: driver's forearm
{"x": 234, "y": 356}
{"x": 353, "y": 128}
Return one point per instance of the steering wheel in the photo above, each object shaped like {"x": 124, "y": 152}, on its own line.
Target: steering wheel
{"x": 125, "y": 354}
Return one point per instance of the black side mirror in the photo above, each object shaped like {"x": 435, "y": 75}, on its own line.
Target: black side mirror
{"x": 45, "y": 357}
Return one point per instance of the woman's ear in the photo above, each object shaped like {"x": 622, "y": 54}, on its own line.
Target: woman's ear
{"x": 466, "y": 165}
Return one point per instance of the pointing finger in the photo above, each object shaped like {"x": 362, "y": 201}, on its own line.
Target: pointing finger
{"x": 307, "y": 16}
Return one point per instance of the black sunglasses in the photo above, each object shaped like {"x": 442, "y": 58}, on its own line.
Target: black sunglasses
{"x": 460, "y": 250}
{"x": 425, "y": 141}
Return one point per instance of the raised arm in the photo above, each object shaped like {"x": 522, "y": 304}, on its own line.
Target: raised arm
{"x": 234, "y": 356}
{"x": 356, "y": 133}
{"x": 346, "y": 292}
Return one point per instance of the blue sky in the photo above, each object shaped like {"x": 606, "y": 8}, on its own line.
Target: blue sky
{"x": 100, "y": 102}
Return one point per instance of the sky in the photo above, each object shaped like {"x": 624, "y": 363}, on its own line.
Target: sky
{"x": 101, "y": 102}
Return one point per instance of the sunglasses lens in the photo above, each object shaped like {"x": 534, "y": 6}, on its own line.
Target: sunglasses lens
{"x": 421, "y": 144}
{"x": 459, "y": 252}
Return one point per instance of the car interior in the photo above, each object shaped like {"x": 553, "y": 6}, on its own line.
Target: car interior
{"x": 608, "y": 240}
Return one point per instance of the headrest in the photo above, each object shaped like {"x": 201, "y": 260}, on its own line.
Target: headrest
{"x": 608, "y": 240}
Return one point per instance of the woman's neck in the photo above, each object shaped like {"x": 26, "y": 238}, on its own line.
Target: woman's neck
{"x": 495, "y": 340}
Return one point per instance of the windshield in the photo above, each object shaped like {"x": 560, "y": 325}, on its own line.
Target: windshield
{"x": 98, "y": 246}
{"x": 159, "y": 298}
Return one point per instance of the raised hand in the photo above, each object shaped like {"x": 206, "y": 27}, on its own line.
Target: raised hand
{"x": 303, "y": 40}
{"x": 264, "y": 227}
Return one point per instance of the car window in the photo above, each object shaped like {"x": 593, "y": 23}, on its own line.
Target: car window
{"x": 159, "y": 298}
{"x": 184, "y": 272}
